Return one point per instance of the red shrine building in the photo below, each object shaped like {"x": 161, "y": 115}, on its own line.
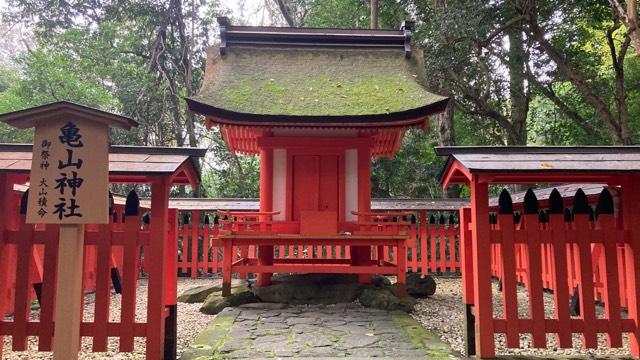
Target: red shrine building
{"x": 317, "y": 105}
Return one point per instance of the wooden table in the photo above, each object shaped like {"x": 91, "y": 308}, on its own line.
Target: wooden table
{"x": 310, "y": 265}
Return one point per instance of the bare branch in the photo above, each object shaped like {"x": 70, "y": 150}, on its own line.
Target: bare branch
{"x": 482, "y": 108}
{"x": 502, "y": 28}
{"x": 286, "y": 12}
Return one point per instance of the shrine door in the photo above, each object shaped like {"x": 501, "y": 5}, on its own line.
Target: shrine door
{"x": 315, "y": 184}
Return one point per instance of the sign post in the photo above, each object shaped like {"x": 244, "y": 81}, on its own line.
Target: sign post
{"x": 70, "y": 175}
{"x": 69, "y": 186}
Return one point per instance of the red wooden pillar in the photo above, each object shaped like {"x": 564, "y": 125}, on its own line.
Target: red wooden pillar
{"x": 4, "y": 263}
{"x": 482, "y": 299}
{"x": 171, "y": 286}
{"x": 361, "y": 255}
{"x": 171, "y": 259}
{"x": 466, "y": 267}
{"x": 157, "y": 252}
{"x": 265, "y": 253}
{"x": 631, "y": 222}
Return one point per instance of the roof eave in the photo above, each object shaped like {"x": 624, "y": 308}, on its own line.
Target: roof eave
{"x": 27, "y": 118}
{"x": 454, "y": 172}
{"x": 409, "y": 117}
{"x": 523, "y": 149}
{"x": 123, "y": 149}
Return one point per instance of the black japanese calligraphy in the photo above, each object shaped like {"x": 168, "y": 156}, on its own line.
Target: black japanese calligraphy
{"x": 70, "y": 135}
{"x": 62, "y": 210}
{"x": 77, "y": 164}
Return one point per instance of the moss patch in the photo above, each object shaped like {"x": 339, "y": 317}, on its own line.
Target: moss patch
{"x": 208, "y": 342}
{"x": 318, "y": 82}
{"x": 381, "y": 94}
{"x": 433, "y": 347}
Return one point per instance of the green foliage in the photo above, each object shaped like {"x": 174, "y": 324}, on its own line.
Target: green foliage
{"x": 354, "y": 14}
{"x": 50, "y": 76}
{"x": 239, "y": 180}
{"x": 413, "y": 172}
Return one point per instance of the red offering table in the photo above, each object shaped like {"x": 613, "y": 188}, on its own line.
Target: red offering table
{"x": 309, "y": 265}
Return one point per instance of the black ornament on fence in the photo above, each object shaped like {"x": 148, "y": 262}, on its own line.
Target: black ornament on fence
{"x": 542, "y": 216}
{"x": 112, "y": 205}
{"x": 580, "y": 203}
{"x": 517, "y": 216}
{"x": 530, "y": 202}
{"x": 605, "y": 203}
{"x": 505, "y": 203}
{"x": 146, "y": 218}
{"x": 185, "y": 219}
{"x": 568, "y": 215}
{"x": 556, "y": 202}
{"x": 132, "y": 204}
{"x": 24, "y": 200}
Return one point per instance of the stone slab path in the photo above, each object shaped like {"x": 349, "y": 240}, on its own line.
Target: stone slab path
{"x": 268, "y": 330}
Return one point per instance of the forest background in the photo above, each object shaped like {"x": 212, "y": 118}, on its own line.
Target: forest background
{"x": 520, "y": 72}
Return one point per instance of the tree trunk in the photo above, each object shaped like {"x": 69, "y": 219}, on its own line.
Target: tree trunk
{"x": 374, "y": 14}
{"x": 633, "y": 25}
{"x": 629, "y": 16}
{"x": 518, "y": 93}
{"x": 446, "y": 137}
{"x": 286, "y": 13}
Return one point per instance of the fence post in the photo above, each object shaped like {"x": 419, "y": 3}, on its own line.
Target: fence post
{"x": 423, "y": 242}
{"x": 560, "y": 274}
{"x": 631, "y": 222}
{"x": 5, "y": 209}
{"x": 466, "y": 258}
{"x": 170, "y": 290}
{"x": 157, "y": 252}
{"x": 70, "y": 248}
{"x": 195, "y": 225}
{"x": 483, "y": 302}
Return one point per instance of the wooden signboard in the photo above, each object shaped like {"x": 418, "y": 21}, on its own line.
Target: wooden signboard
{"x": 69, "y": 173}
{"x": 69, "y": 186}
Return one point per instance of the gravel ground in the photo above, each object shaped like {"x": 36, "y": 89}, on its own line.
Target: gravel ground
{"x": 444, "y": 315}
{"x": 190, "y": 321}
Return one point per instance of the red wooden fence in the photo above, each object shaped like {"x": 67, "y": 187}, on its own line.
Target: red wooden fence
{"x": 434, "y": 245}
{"x": 547, "y": 266}
{"x": 31, "y": 258}
{"x": 561, "y": 250}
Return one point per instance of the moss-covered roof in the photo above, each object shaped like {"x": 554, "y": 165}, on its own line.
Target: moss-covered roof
{"x": 301, "y": 82}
